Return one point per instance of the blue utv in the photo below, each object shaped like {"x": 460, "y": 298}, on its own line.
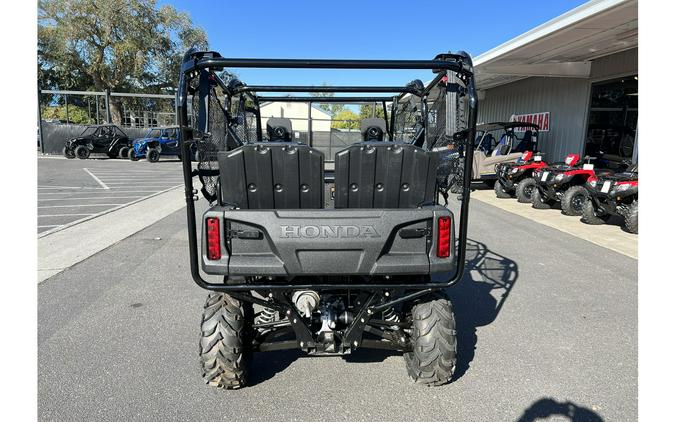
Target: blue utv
{"x": 158, "y": 141}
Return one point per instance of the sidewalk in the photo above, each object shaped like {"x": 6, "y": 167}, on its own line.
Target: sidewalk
{"x": 63, "y": 249}
{"x": 607, "y": 235}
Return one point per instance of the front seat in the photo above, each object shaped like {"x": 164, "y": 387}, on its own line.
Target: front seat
{"x": 372, "y": 129}
{"x": 526, "y": 144}
{"x": 279, "y": 129}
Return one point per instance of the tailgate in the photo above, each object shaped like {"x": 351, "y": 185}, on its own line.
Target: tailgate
{"x": 328, "y": 242}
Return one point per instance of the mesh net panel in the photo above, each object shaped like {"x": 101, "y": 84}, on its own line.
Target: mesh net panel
{"x": 437, "y": 117}
{"x": 406, "y": 121}
{"x": 225, "y": 130}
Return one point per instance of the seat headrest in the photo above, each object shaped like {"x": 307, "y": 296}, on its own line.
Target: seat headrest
{"x": 372, "y": 129}
{"x": 279, "y": 129}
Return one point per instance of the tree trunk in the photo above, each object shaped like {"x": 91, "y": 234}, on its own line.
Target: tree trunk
{"x": 116, "y": 111}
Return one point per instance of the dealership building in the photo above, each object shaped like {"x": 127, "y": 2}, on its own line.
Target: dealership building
{"x": 576, "y": 76}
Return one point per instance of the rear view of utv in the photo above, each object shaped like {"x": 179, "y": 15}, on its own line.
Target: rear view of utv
{"x": 288, "y": 264}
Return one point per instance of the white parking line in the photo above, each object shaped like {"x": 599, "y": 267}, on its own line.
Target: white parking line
{"x": 68, "y": 187}
{"x": 103, "y": 185}
{"x": 93, "y": 197}
{"x": 112, "y": 191}
{"x": 127, "y": 185}
{"x": 104, "y": 212}
{"x": 81, "y": 205}
{"x": 61, "y": 215}
{"x": 159, "y": 176}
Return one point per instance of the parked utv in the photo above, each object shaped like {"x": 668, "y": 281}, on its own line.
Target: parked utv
{"x": 488, "y": 152}
{"x": 367, "y": 269}
{"x": 159, "y": 141}
{"x": 106, "y": 139}
{"x": 564, "y": 182}
{"x": 516, "y": 178}
{"x": 615, "y": 194}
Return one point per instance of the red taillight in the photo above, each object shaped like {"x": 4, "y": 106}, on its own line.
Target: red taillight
{"x": 443, "y": 249}
{"x": 213, "y": 238}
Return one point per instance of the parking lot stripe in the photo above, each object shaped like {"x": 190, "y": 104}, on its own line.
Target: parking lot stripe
{"x": 61, "y": 215}
{"x": 112, "y": 191}
{"x": 103, "y": 185}
{"x": 80, "y": 205}
{"x": 68, "y": 187}
{"x": 93, "y": 197}
{"x": 102, "y": 213}
{"x": 159, "y": 185}
{"x": 50, "y": 225}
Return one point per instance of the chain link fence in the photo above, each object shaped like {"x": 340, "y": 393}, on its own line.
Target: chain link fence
{"x": 64, "y": 114}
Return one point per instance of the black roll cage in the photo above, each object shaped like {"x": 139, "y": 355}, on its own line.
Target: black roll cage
{"x": 204, "y": 64}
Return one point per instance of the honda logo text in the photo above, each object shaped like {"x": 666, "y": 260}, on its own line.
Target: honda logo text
{"x": 328, "y": 232}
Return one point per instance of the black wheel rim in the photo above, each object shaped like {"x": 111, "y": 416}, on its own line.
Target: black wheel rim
{"x": 578, "y": 202}
{"x": 81, "y": 153}
{"x": 528, "y": 191}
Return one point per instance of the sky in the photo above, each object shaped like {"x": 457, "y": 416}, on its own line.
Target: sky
{"x": 362, "y": 29}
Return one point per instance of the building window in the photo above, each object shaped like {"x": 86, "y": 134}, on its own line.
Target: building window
{"x": 612, "y": 120}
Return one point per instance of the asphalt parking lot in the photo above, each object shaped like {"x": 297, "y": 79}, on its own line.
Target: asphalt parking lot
{"x": 547, "y": 328}
{"x": 71, "y": 191}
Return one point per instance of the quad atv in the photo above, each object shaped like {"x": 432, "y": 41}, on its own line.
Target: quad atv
{"x": 564, "y": 182}
{"x": 299, "y": 269}
{"x": 615, "y": 194}
{"x": 489, "y": 153}
{"x": 516, "y": 178}
{"x": 158, "y": 141}
{"x": 107, "y": 139}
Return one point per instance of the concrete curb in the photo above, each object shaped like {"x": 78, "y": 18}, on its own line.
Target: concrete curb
{"x": 607, "y": 236}
{"x": 65, "y": 248}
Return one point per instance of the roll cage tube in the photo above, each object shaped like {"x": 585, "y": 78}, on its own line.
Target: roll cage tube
{"x": 200, "y": 63}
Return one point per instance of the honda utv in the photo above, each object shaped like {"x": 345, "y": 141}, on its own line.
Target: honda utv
{"x": 106, "y": 139}
{"x": 565, "y": 182}
{"x": 615, "y": 194}
{"x": 290, "y": 266}
{"x": 496, "y": 143}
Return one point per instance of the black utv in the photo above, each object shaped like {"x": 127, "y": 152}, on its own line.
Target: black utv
{"x": 105, "y": 139}
{"x": 291, "y": 266}
{"x": 615, "y": 194}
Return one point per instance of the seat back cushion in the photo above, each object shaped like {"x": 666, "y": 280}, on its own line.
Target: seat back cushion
{"x": 384, "y": 175}
{"x": 272, "y": 175}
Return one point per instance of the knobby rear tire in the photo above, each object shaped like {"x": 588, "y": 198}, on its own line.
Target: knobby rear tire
{"x": 631, "y": 218}
{"x": 571, "y": 198}
{"x": 68, "y": 153}
{"x": 501, "y": 192}
{"x": 589, "y": 215}
{"x": 538, "y": 202}
{"x": 225, "y": 344}
{"x": 434, "y": 337}
{"x": 82, "y": 152}
{"x": 525, "y": 190}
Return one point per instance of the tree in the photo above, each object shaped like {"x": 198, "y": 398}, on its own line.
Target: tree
{"x": 129, "y": 46}
{"x": 345, "y": 119}
{"x": 332, "y": 108}
{"x": 366, "y": 111}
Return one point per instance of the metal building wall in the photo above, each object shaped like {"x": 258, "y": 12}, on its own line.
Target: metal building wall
{"x": 615, "y": 65}
{"x": 565, "y": 98}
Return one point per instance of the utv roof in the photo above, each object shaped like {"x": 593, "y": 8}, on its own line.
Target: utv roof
{"x": 487, "y": 127}
{"x": 194, "y": 60}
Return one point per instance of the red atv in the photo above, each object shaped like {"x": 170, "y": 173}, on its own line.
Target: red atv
{"x": 516, "y": 178}
{"x": 615, "y": 194}
{"x": 564, "y": 182}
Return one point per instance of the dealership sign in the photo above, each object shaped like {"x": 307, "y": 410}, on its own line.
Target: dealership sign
{"x": 540, "y": 119}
